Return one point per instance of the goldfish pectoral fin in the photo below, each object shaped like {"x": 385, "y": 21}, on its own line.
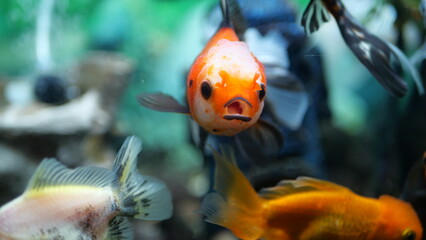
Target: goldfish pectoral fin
{"x": 243, "y": 224}
{"x": 50, "y": 173}
{"x": 314, "y": 15}
{"x": 288, "y": 100}
{"x": 140, "y": 196}
{"x": 119, "y": 229}
{"x": 199, "y": 135}
{"x": 263, "y": 137}
{"x": 161, "y": 102}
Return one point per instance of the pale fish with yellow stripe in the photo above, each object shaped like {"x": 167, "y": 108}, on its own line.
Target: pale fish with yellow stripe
{"x": 86, "y": 202}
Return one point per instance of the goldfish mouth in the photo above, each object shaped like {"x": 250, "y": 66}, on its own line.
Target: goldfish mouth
{"x": 237, "y": 117}
{"x": 237, "y": 109}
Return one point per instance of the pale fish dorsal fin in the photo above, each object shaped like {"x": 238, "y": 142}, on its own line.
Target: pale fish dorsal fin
{"x": 301, "y": 184}
{"x": 119, "y": 229}
{"x": 125, "y": 161}
{"x": 52, "y": 173}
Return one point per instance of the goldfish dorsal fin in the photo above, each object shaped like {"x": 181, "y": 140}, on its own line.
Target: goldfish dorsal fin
{"x": 319, "y": 184}
{"x": 119, "y": 229}
{"x": 51, "y": 173}
{"x": 233, "y": 16}
{"x": 301, "y": 184}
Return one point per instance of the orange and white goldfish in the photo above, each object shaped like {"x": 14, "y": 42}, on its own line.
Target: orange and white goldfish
{"x": 86, "y": 202}
{"x": 226, "y": 85}
{"x": 376, "y": 55}
{"x": 304, "y": 209}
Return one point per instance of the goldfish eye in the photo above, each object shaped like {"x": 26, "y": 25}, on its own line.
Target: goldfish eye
{"x": 206, "y": 90}
{"x": 408, "y": 234}
{"x": 262, "y": 92}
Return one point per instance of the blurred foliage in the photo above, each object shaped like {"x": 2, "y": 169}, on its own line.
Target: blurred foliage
{"x": 78, "y": 25}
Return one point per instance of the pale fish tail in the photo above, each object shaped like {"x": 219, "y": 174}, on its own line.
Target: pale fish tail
{"x": 235, "y": 204}
{"x": 142, "y": 197}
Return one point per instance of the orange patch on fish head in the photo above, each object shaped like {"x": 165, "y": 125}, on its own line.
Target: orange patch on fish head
{"x": 398, "y": 221}
{"x": 228, "y": 95}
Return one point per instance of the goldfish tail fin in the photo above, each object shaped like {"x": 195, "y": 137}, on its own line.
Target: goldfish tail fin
{"x": 119, "y": 229}
{"x": 235, "y": 205}
{"x": 140, "y": 196}
{"x": 240, "y": 221}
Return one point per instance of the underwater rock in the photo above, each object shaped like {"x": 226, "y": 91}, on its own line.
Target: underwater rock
{"x": 102, "y": 79}
{"x": 106, "y": 72}
{"x": 84, "y": 114}
{"x": 18, "y": 91}
{"x": 50, "y": 89}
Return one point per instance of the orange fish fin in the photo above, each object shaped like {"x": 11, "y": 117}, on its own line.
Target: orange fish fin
{"x": 235, "y": 205}
{"x": 161, "y": 102}
{"x": 231, "y": 183}
{"x": 320, "y": 184}
{"x": 241, "y": 222}
{"x": 301, "y": 184}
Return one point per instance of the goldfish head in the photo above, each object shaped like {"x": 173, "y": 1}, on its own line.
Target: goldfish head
{"x": 226, "y": 88}
{"x": 398, "y": 221}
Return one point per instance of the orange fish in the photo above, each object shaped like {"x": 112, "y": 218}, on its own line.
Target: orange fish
{"x": 304, "y": 209}
{"x": 226, "y": 85}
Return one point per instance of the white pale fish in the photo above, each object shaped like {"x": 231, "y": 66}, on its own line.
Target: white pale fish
{"x": 86, "y": 202}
